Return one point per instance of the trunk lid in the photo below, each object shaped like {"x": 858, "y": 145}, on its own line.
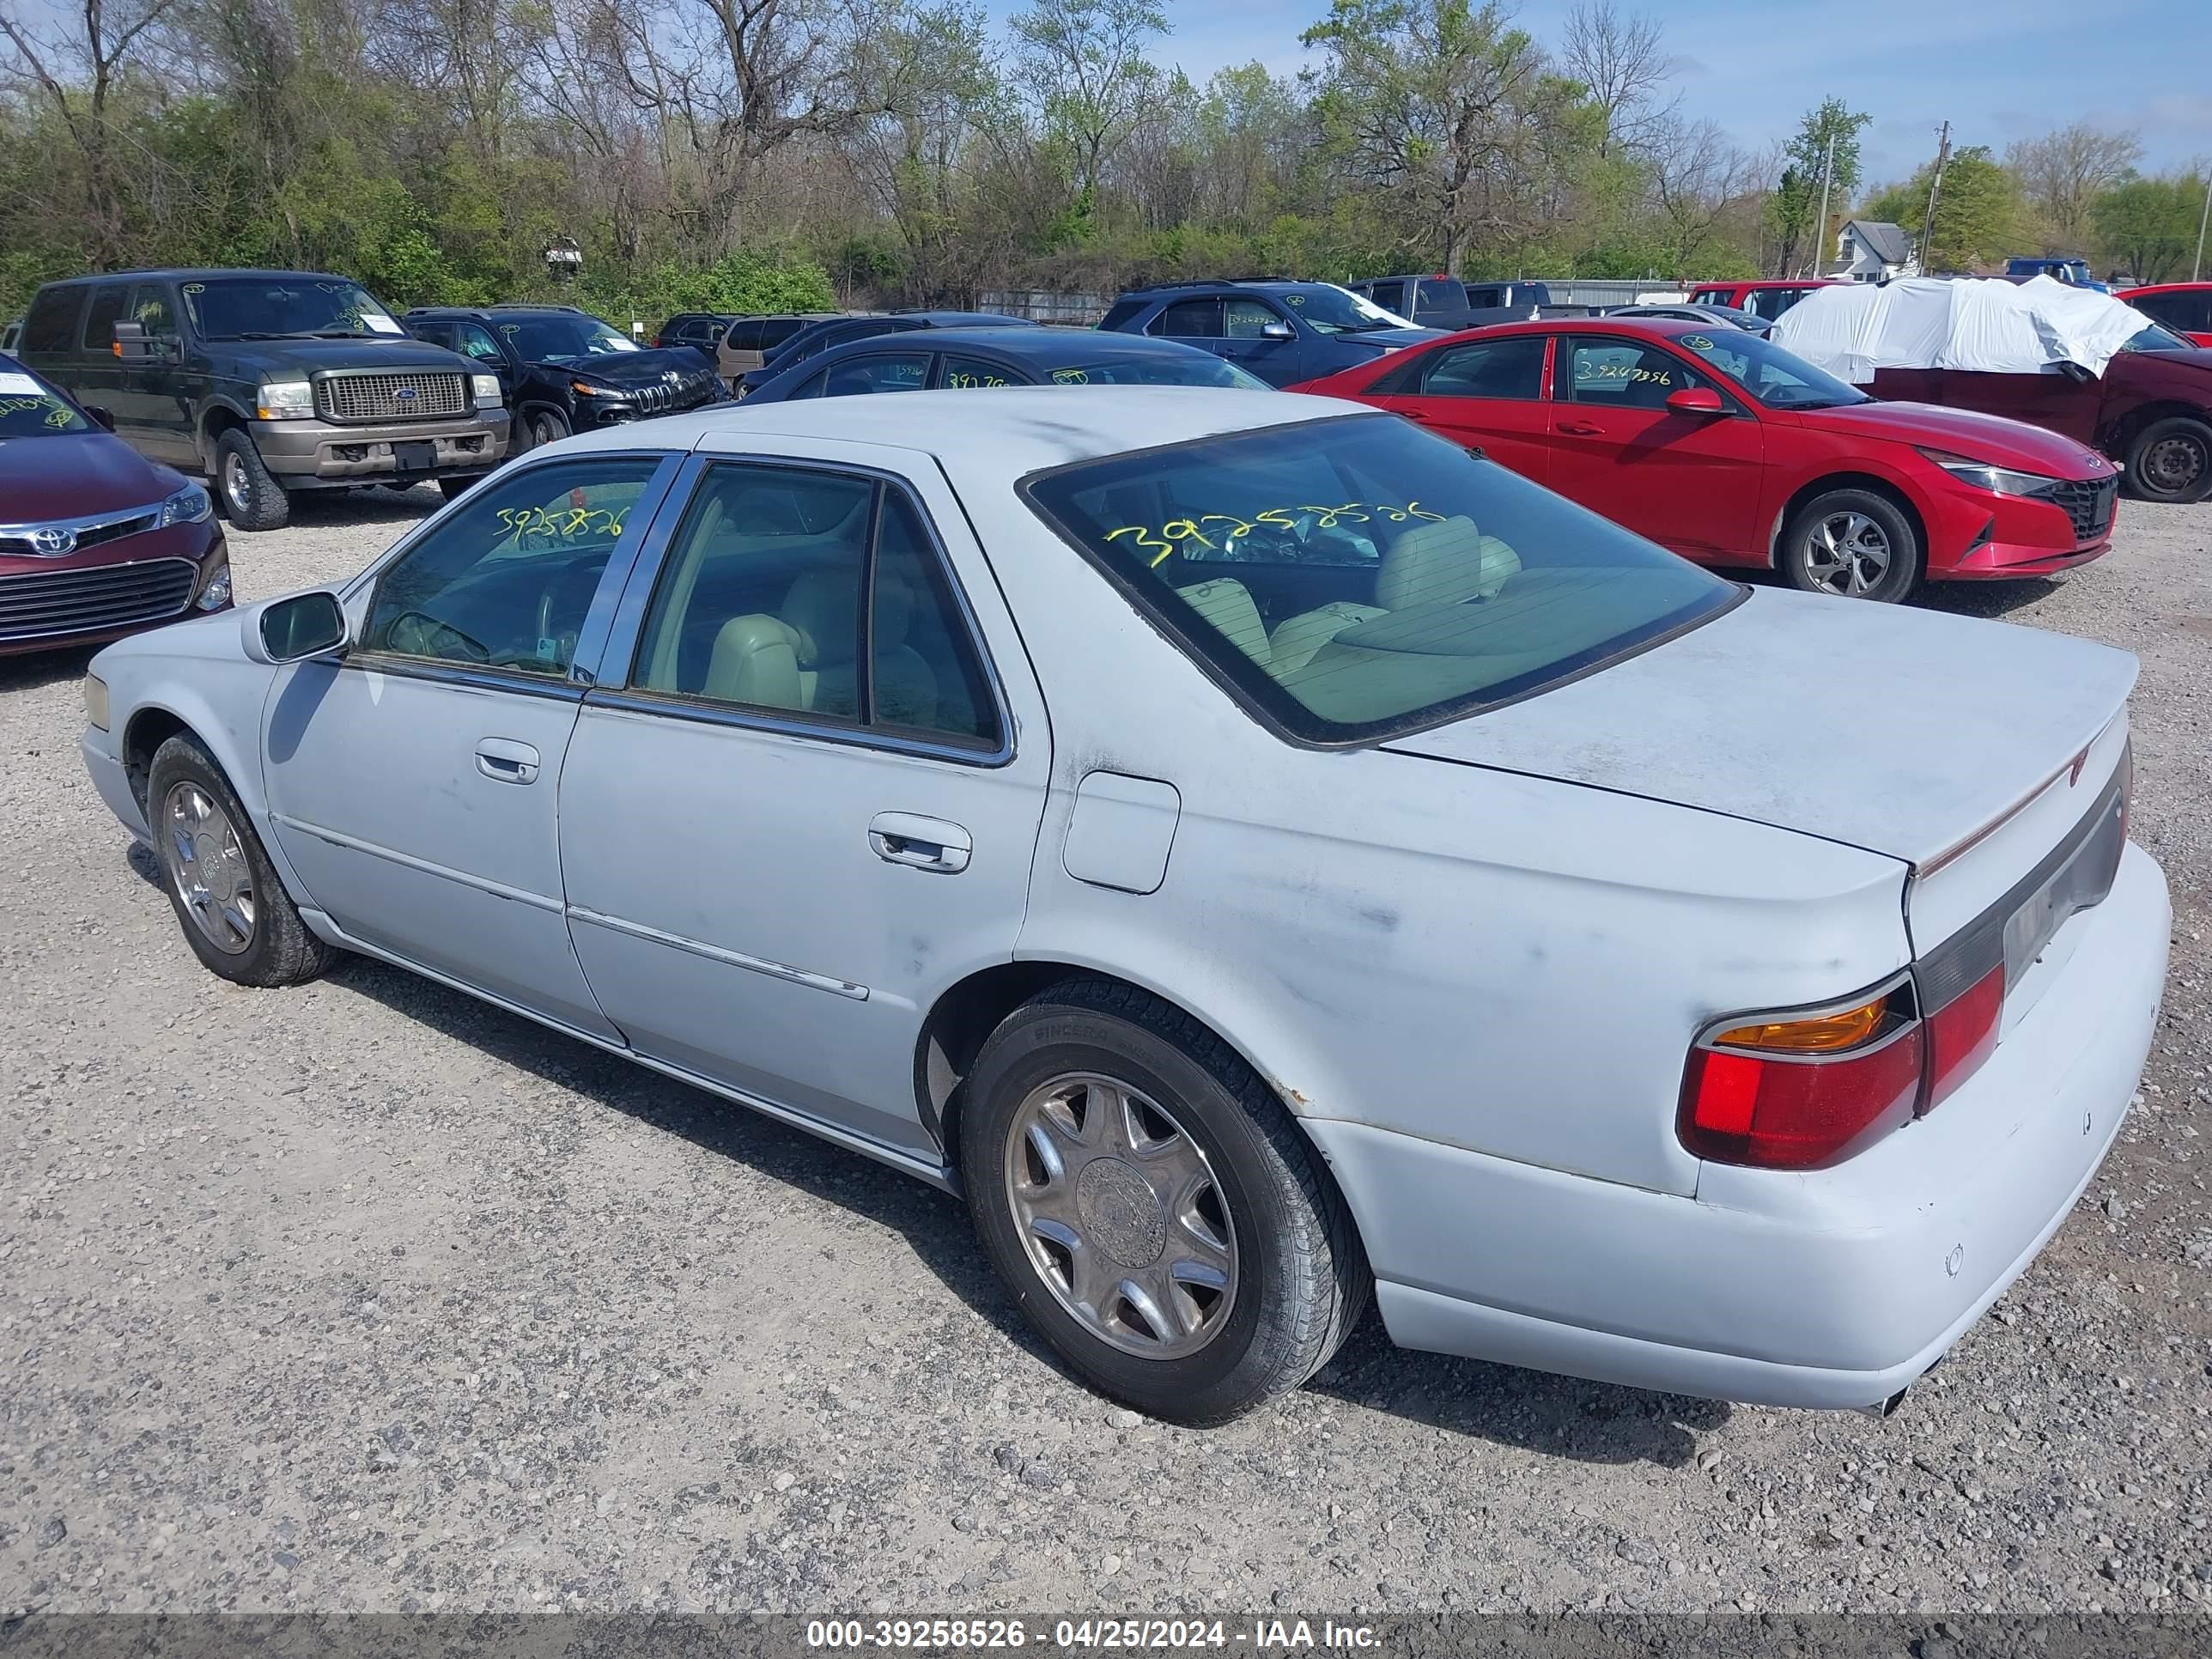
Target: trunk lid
{"x": 1947, "y": 742}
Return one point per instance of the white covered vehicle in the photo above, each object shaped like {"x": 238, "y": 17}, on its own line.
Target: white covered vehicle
{"x": 1854, "y": 330}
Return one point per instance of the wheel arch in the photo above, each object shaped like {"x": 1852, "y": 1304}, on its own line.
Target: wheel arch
{"x": 962, "y": 1019}
{"x": 217, "y": 418}
{"x": 173, "y": 708}
{"x": 1873, "y": 483}
{"x": 2123, "y": 433}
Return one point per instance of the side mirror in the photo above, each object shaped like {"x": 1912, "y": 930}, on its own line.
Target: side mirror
{"x": 132, "y": 346}
{"x": 1696, "y": 400}
{"x": 100, "y": 417}
{"x": 1278, "y": 330}
{"x": 2077, "y": 373}
{"x": 294, "y": 629}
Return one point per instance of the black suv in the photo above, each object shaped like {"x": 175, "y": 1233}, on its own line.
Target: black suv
{"x": 268, "y": 381}
{"x": 1282, "y": 330}
{"x": 563, "y": 370}
{"x": 702, "y": 331}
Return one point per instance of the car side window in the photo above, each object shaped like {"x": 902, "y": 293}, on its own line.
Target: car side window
{"x": 973, "y": 374}
{"x": 808, "y": 387}
{"x": 1391, "y": 296}
{"x": 1621, "y": 374}
{"x": 101, "y": 316}
{"x": 52, "y": 324}
{"x": 150, "y": 308}
{"x": 1247, "y": 319}
{"x": 2189, "y": 312}
{"x": 1772, "y": 302}
{"x": 1189, "y": 319}
{"x": 759, "y": 605}
{"x": 475, "y": 342}
{"x": 1511, "y": 367}
{"x": 878, "y": 371}
{"x": 507, "y": 580}
{"x": 433, "y": 331}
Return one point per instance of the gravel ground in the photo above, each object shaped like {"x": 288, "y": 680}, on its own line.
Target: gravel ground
{"x": 365, "y": 1296}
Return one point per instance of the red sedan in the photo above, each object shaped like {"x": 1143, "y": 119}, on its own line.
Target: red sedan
{"x": 1731, "y": 452}
{"x": 95, "y": 540}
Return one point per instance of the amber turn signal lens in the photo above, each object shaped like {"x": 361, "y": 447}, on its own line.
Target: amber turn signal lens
{"x": 1825, "y": 1034}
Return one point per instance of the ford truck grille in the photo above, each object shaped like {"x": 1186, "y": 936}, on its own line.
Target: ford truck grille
{"x": 373, "y": 395}
{"x": 52, "y": 604}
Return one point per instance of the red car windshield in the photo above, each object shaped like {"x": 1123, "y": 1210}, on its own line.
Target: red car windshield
{"x": 1766, "y": 372}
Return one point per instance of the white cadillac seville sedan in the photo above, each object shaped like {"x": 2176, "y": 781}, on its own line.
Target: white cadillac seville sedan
{"x": 1254, "y": 850}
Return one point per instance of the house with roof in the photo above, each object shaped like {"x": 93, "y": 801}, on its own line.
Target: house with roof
{"x": 1872, "y": 250}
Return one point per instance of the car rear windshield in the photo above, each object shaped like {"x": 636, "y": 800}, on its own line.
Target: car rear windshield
{"x": 29, "y": 408}
{"x": 1351, "y": 578}
{"x": 1199, "y": 369}
{"x": 279, "y": 308}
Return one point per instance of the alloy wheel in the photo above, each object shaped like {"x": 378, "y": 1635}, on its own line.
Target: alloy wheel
{"x": 1121, "y": 1216}
{"x": 209, "y": 866}
{"x": 1847, "y": 553}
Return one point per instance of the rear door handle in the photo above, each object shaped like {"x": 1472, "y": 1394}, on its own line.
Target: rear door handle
{"x": 505, "y": 761}
{"x": 919, "y": 843}
{"x": 1579, "y": 429}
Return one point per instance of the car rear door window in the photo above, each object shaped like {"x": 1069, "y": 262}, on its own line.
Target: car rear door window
{"x": 1511, "y": 368}
{"x": 1391, "y": 296}
{"x": 51, "y": 322}
{"x": 775, "y": 331}
{"x": 101, "y": 316}
{"x": 2188, "y": 312}
{"x": 506, "y": 581}
{"x": 1189, "y": 319}
{"x": 762, "y": 602}
{"x": 879, "y": 371}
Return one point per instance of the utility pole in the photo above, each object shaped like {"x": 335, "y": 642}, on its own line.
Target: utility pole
{"x": 1934, "y": 190}
{"x": 1820, "y": 228}
{"x": 2196, "y": 265}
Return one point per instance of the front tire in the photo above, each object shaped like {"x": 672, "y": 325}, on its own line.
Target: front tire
{"x": 252, "y": 497}
{"x": 1854, "y": 544}
{"x": 2171, "y": 460}
{"x": 541, "y": 426}
{"x": 1160, "y": 1218}
{"x": 236, "y": 915}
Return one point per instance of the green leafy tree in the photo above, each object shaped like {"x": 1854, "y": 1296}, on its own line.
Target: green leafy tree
{"x": 2148, "y": 226}
{"x": 1977, "y": 212}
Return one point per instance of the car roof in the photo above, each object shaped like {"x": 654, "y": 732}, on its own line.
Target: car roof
{"x": 178, "y": 273}
{"x": 2161, "y": 288}
{"x": 1038, "y": 348}
{"x": 501, "y": 311}
{"x": 1227, "y": 284}
{"x": 1016, "y": 431}
{"x": 1765, "y": 281}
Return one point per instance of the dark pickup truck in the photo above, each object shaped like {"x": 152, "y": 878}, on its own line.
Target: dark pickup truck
{"x": 1446, "y": 302}
{"x": 270, "y": 382}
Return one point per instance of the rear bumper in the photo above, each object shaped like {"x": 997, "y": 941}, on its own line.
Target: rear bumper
{"x": 311, "y": 454}
{"x": 1834, "y": 1288}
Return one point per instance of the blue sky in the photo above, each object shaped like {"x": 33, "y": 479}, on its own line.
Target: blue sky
{"x": 1997, "y": 70}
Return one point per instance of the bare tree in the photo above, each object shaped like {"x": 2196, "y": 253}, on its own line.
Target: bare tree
{"x": 2063, "y": 173}
{"x": 76, "y": 65}
{"x": 1698, "y": 179}
{"x": 1620, "y": 58}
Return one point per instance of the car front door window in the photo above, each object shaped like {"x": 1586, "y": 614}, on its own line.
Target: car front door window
{"x": 1621, "y": 374}
{"x": 1247, "y": 319}
{"x": 506, "y": 580}
{"x": 475, "y": 342}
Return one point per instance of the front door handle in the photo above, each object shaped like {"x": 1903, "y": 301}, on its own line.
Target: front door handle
{"x": 1580, "y": 429}
{"x": 919, "y": 843}
{"x": 505, "y": 761}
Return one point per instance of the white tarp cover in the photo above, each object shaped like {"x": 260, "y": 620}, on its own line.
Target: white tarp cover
{"x": 1852, "y": 329}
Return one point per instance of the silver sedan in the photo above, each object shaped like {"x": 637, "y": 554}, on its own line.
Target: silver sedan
{"x": 1259, "y": 853}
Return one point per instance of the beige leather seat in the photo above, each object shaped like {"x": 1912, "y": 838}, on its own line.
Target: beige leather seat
{"x": 821, "y": 611}
{"x": 1227, "y": 603}
{"x": 1445, "y": 562}
{"x": 756, "y": 661}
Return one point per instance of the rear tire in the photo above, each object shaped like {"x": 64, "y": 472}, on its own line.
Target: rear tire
{"x": 2171, "y": 460}
{"x": 251, "y": 498}
{"x": 1205, "y": 1264}
{"x": 237, "y": 917}
{"x": 1852, "y": 543}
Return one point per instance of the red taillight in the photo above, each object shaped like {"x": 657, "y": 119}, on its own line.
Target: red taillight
{"x": 1781, "y": 1092}
{"x": 1961, "y": 1034}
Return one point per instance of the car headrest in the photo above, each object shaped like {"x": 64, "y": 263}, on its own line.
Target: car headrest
{"x": 1446, "y": 563}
